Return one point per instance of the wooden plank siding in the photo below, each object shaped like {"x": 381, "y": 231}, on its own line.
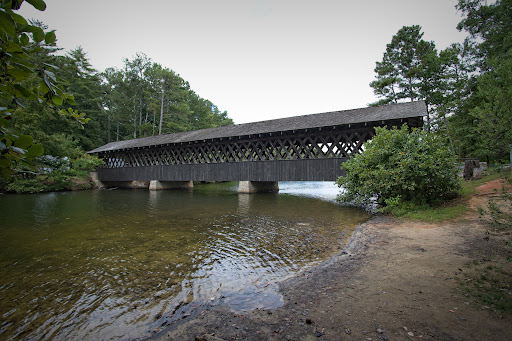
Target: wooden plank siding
{"x": 282, "y": 170}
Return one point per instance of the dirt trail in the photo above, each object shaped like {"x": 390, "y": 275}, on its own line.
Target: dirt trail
{"x": 395, "y": 281}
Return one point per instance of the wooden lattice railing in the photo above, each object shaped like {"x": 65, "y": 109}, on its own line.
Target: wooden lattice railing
{"x": 333, "y": 142}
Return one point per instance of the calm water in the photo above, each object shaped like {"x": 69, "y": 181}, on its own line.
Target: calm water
{"x": 119, "y": 264}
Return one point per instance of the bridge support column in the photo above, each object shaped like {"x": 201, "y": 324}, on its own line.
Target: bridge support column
{"x": 257, "y": 186}
{"x": 155, "y": 185}
{"x": 96, "y": 181}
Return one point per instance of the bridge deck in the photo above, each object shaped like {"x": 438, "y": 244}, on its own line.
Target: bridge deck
{"x": 310, "y": 147}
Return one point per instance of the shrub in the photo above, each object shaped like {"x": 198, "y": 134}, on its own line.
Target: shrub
{"x": 401, "y": 166}
{"x": 87, "y": 163}
{"x": 57, "y": 174}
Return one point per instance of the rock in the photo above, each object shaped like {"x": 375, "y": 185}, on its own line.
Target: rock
{"x": 318, "y": 333}
{"x": 348, "y": 331}
{"x": 410, "y": 334}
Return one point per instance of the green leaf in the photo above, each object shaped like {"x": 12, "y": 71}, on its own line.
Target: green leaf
{"x": 50, "y": 38}
{"x": 37, "y": 33}
{"x": 7, "y": 24}
{"x": 20, "y": 75}
{"x": 38, "y": 4}
{"x": 43, "y": 88}
{"x": 49, "y": 85}
{"x": 13, "y": 48}
{"x": 24, "y": 141}
{"x": 22, "y": 67}
{"x": 18, "y": 150}
{"x": 51, "y": 75}
{"x": 22, "y": 90}
{"x": 24, "y": 39}
{"x": 51, "y": 66}
{"x": 35, "y": 150}
{"x": 57, "y": 99}
{"x": 18, "y": 18}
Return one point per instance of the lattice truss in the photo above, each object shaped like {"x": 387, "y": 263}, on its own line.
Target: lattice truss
{"x": 271, "y": 147}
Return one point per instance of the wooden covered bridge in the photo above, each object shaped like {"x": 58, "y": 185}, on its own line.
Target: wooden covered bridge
{"x": 259, "y": 154}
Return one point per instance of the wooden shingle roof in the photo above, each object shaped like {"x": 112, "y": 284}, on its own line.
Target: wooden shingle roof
{"x": 334, "y": 118}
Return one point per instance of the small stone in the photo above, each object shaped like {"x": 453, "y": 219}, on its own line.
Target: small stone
{"x": 380, "y": 331}
{"x": 318, "y": 333}
{"x": 410, "y": 333}
{"x": 405, "y": 328}
{"x": 348, "y": 331}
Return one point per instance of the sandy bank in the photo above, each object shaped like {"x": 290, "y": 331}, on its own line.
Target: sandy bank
{"x": 396, "y": 280}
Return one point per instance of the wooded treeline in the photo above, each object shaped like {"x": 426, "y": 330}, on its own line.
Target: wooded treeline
{"x": 141, "y": 99}
{"x": 467, "y": 87}
{"x": 55, "y": 107}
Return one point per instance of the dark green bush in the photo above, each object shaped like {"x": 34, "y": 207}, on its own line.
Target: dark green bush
{"x": 57, "y": 174}
{"x": 401, "y": 166}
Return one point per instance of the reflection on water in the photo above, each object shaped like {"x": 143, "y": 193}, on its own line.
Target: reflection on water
{"x": 119, "y": 264}
{"x": 312, "y": 189}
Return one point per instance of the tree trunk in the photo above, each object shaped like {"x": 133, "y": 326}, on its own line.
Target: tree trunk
{"x": 161, "y": 114}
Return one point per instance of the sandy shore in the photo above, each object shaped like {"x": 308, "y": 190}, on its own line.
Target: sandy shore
{"x": 396, "y": 280}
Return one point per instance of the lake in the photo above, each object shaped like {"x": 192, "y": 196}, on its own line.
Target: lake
{"x": 119, "y": 264}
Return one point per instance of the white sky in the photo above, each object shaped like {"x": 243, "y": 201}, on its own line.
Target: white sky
{"x": 257, "y": 59}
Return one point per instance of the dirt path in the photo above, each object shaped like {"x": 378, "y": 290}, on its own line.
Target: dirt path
{"x": 397, "y": 280}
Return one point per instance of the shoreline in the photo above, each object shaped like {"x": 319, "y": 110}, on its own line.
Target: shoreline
{"x": 395, "y": 280}
{"x": 351, "y": 252}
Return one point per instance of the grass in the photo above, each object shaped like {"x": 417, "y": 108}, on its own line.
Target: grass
{"x": 489, "y": 282}
{"x": 449, "y": 210}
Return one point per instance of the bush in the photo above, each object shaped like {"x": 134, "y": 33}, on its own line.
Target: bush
{"x": 401, "y": 166}
{"x": 57, "y": 174}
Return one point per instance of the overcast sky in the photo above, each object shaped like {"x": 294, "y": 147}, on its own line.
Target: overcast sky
{"x": 256, "y": 59}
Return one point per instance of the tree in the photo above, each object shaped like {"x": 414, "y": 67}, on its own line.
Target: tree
{"x": 145, "y": 99}
{"x": 84, "y": 82}
{"x": 398, "y": 166}
{"x": 399, "y": 74}
{"x": 23, "y": 79}
{"x": 489, "y": 26}
{"x": 482, "y": 122}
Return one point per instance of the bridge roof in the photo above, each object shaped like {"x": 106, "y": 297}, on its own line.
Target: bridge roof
{"x": 328, "y": 119}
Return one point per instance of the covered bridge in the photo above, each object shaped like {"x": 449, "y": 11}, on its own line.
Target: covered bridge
{"x": 301, "y": 148}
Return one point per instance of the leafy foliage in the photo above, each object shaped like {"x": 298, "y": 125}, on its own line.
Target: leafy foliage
{"x": 57, "y": 174}
{"x": 38, "y": 138}
{"x": 399, "y": 74}
{"x": 482, "y": 124}
{"x": 144, "y": 99}
{"x": 467, "y": 87}
{"x": 22, "y": 78}
{"x": 398, "y": 166}
{"x": 412, "y": 69}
